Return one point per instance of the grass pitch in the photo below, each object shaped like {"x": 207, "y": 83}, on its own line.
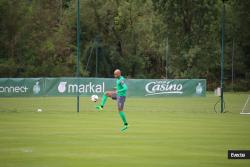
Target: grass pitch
{"x": 163, "y": 132}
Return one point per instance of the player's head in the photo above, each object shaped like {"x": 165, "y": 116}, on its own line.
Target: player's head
{"x": 117, "y": 73}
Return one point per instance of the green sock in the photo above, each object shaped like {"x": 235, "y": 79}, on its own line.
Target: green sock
{"x": 104, "y": 99}
{"x": 122, "y": 114}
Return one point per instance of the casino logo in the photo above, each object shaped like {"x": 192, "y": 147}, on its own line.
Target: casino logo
{"x": 163, "y": 87}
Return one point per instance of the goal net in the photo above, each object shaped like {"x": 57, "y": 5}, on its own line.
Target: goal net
{"x": 246, "y": 107}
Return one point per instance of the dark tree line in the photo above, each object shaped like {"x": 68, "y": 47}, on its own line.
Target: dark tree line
{"x": 145, "y": 38}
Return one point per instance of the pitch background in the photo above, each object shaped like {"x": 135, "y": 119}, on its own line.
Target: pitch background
{"x": 162, "y": 132}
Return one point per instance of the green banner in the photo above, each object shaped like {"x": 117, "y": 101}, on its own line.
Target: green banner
{"x": 167, "y": 87}
{"x": 70, "y": 86}
{"x": 14, "y": 87}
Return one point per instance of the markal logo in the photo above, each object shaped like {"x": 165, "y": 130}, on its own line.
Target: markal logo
{"x": 62, "y": 87}
{"x": 163, "y": 87}
{"x": 82, "y": 88}
{"x": 36, "y": 88}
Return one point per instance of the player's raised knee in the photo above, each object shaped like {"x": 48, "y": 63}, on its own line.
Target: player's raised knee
{"x": 108, "y": 93}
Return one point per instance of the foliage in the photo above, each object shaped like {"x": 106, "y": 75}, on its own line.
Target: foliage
{"x": 144, "y": 38}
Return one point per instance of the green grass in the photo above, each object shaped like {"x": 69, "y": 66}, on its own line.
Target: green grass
{"x": 163, "y": 132}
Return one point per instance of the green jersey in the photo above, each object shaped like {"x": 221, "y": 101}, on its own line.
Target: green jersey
{"x": 121, "y": 86}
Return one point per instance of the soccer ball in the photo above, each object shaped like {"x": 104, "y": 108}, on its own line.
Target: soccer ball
{"x": 94, "y": 98}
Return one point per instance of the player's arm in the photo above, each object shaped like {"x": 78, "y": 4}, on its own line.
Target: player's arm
{"x": 124, "y": 86}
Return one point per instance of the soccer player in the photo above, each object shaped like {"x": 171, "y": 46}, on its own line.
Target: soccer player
{"x": 119, "y": 95}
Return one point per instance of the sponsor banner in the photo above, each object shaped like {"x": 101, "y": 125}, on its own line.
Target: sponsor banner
{"x": 85, "y": 86}
{"x": 13, "y": 87}
{"x": 167, "y": 87}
